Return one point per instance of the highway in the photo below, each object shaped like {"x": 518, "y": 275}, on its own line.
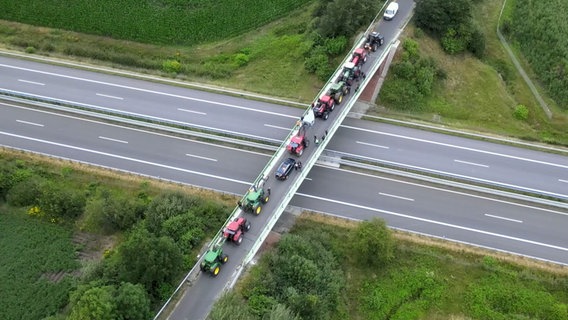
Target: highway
{"x": 476, "y": 219}
{"x": 496, "y": 164}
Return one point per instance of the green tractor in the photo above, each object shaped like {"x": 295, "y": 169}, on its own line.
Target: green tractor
{"x": 214, "y": 258}
{"x": 255, "y": 198}
{"x": 338, "y": 90}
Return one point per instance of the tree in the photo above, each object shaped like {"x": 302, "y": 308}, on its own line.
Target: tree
{"x": 132, "y": 302}
{"x": 373, "y": 243}
{"x": 230, "y": 307}
{"x": 344, "y": 17}
{"x": 94, "y": 303}
{"x": 166, "y": 206}
{"x": 437, "y": 16}
{"x": 60, "y": 201}
{"x": 149, "y": 260}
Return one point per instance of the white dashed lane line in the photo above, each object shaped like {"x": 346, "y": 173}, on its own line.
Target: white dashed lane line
{"x": 472, "y": 163}
{"x": 395, "y": 196}
{"x": 31, "y": 82}
{"x": 113, "y": 140}
{"x": 191, "y": 111}
{"x": 200, "y": 157}
{"x": 111, "y": 97}
{"x": 30, "y": 123}
{"x": 503, "y": 218}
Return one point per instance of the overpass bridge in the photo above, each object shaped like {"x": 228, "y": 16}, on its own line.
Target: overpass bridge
{"x": 196, "y": 294}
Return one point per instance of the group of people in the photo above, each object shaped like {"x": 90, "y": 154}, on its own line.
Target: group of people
{"x": 316, "y": 141}
{"x": 298, "y": 165}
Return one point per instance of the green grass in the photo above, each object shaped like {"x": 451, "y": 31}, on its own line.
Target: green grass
{"x": 434, "y": 280}
{"x": 30, "y": 249}
{"x": 274, "y": 55}
{"x": 481, "y": 95}
{"x": 170, "y": 22}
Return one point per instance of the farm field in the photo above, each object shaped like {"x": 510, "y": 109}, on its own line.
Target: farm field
{"x": 36, "y": 256}
{"x": 171, "y": 22}
{"x": 79, "y": 242}
{"x": 425, "y": 279}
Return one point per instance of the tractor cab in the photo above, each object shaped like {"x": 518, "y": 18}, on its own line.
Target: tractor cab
{"x": 296, "y": 145}
{"x": 350, "y": 72}
{"x": 359, "y": 56}
{"x": 338, "y": 90}
{"x": 323, "y": 106}
{"x": 374, "y": 41}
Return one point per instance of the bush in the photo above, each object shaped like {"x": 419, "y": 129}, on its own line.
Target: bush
{"x": 373, "y": 243}
{"x": 335, "y": 46}
{"x": 59, "y": 201}
{"x": 476, "y": 44}
{"x": 438, "y": 16}
{"x": 521, "y": 112}
{"x": 171, "y": 66}
{"x": 25, "y": 193}
{"x": 241, "y": 59}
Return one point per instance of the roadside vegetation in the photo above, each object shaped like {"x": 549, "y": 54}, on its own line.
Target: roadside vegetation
{"x": 467, "y": 80}
{"x": 327, "y": 268}
{"x": 83, "y": 243}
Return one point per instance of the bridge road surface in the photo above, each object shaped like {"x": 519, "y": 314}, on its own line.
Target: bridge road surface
{"x": 476, "y": 219}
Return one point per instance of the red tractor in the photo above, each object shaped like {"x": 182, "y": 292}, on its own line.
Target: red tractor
{"x": 299, "y": 142}
{"x": 235, "y": 230}
{"x": 323, "y": 106}
{"x": 359, "y": 56}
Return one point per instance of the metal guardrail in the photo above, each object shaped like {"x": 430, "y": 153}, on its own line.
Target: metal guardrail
{"x": 91, "y": 110}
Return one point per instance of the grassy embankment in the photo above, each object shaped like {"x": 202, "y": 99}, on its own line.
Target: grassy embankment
{"x": 427, "y": 279}
{"x": 481, "y": 95}
{"x": 62, "y": 225}
{"x": 268, "y": 60}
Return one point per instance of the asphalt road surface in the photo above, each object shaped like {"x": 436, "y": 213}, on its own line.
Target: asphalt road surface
{"x": 477, "y": 219}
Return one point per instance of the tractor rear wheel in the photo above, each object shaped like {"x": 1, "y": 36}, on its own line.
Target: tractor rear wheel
{"x": 216, "y": 271}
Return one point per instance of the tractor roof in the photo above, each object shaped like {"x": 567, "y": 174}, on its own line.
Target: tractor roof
{"x": 296, "y": 139}
{"x": 349, "y": 65}
{"x": 232, "y": 227}
{"x": 360, "y": 51}
{"x": 210, "y": 256}
{"x": 336, "y": 86}
{"x": 325, "y": 98}
{"x": 253, "y": 195}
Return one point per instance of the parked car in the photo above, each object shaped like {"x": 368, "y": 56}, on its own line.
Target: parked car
{"x": 285, "y": 168}
{"x": 391, "y": 11}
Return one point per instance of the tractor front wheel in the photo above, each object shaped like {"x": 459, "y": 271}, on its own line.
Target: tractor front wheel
{"x": 325, "y": 116}
{"x": 216, "y": 271}
{"x": 332, "y": 106}
{"x": 299, "y": 153}
{"x": 239, "y": 241}
{"x": 224, "y": 258}
{"x": 266, "y": 199}
{"x": 258, "y": 210}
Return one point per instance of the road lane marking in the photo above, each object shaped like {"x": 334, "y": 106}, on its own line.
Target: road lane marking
{"x": 111, "y": 155}
{"x": 309, "y": 179}
{"x": 200, "y": 157}
{"x": 30, "y": 123}
{"x": 514, "y": 186}
{"x": 150, "y": 91}
{"x": 395, "y": 196}
{"x": 32, "y": 82}
{"x": 191, "y": 111}
{"x": 372, "y": 145}
{"x": 503, "y": 218}
{"x": 458, "y": 147}
{"x": 277, "y": 127}
{"x": 465, "y": 194}
{"x": 472, "y": 163}
{"x": 111, "y": 139}
{"x": 440, "y": 223}
{"x": 139, "y": 130}
{"x": 111, "y": 97}
{"x": 565, "y": 181}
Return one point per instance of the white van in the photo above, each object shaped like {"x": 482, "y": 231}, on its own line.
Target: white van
{"x": 391, "y": 11}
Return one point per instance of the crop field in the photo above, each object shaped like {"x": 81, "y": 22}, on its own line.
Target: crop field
{"x": 540, "y": 30}
{"x": 173, "y": 22}
{"x": 34, "y": 256}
